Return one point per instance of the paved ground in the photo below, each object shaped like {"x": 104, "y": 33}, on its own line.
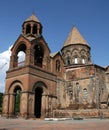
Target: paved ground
{"x": 21, "y": 124}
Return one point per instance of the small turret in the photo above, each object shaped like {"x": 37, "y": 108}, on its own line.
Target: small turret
{"x": 32, "y": 27}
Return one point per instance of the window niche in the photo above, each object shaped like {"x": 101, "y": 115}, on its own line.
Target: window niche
{"x": 85, "y": 94}
{"x": 70, "y": 91}
{"x": 58, "y": 66}
{"x": 68, "y": 60}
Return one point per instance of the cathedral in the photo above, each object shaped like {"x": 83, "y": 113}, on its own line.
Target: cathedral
{"x": 64, "y": 84}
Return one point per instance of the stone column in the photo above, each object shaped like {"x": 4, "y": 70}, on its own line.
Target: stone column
{"x": 12, "y": 105}
{"x": 38, "y": 29}
{"x": 31, "y": 104}
{"x": 13, "y": 61}
{"x": 24, "y": 104}
{"x": 44, "y": 105}
{"x": 5, "y": 107}
{"x": 29, "y": 57}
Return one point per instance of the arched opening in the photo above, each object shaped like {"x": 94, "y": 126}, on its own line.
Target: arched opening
{"x": 17, "y": 92}
{"x": 21, "y": 58}
{"x": 28, "y": 29}
{"x": 21, "y": 55}
{"x": 38, "y": 102}
{"x": 76, "y": 60}
{"x": 35, "y": 29}
{"x": 38, "y": 55}
{"x": 58, "y": 66}
{"x": 68, "y": 61}
{"x": 83, "y": 60}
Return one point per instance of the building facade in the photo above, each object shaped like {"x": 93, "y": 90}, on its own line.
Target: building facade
{"x": 62, "y": 84}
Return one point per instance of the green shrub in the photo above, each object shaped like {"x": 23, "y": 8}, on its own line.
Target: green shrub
{"x": 0, "y": 109}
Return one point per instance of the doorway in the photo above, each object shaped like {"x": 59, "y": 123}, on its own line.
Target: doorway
{"x": 38, "y": 102}
{"x": 17, "y": 92}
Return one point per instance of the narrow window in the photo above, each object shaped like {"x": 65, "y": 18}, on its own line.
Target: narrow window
{"x": 83, "y": 61}
{"x": 58, "y": 67}
{"x": 68, "y": 61}
{"x": 28, "y": 29}
{"x": 35, "y": 29}
{"x": 76, "y": 61}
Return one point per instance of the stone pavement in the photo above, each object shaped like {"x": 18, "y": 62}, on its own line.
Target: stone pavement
{"x": 30, "y": 124}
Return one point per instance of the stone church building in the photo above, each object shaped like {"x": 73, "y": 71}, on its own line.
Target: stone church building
{"x": 61, "y": 84}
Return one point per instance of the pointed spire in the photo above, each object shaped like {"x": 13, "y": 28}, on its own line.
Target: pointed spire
{"x": 32, "y": 18}
{"x": 75, "y": 37}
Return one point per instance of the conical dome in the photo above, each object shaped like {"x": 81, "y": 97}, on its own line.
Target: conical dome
{"x": 75, "y": 37}
{"x": 32, "y": 18}
{"x": 75, "y": 50}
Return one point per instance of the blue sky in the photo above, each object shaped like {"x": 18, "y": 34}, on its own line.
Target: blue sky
{"x": 91, "y": 17}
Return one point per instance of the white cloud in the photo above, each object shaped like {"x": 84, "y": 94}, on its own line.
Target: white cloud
{"x": 4, "y": 65}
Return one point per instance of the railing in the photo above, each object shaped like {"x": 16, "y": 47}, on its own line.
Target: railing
{"x": 21, "y": 63}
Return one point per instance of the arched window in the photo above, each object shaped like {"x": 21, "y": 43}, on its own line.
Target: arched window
{"x": 38, "y": 55}
{"x": 83, "y": 60}
{"x": 68, "y": 61}
{"x": 85, "y": 93}
{"x": 28, "y": 29}
{"x": 76, "y": 60}
{"x": 21, "y": 50}
{"x": 35, "y": 29}
{"x": 58, "y": 66}
{"x": 21, "y": 58}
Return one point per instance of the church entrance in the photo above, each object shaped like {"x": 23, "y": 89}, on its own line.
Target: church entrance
{"x": 38, "y": 102}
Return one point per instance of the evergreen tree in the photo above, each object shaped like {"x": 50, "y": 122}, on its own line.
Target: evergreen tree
{"x": 1, "y": 101}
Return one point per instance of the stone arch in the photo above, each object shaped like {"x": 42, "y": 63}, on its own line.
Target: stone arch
{"x": 13, "y": 86}
{"x": 75, "y": 59}
{"x": 21, "y": 47}
{"x": 83, "y": 59}
{"x": 14, "y": 95}
{"x": 40, "y": 90}
{"x": 83, "y": 52}
{"x": 68, "y": 57}
{"x": 75, "y": 51}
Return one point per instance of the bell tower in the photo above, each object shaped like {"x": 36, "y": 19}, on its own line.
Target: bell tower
{"x": 29, "y": 76}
